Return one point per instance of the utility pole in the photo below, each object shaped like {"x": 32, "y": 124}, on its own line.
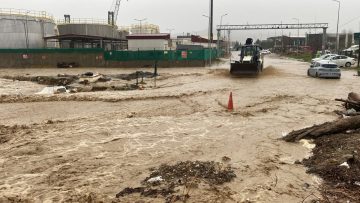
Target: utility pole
{"x": 229, "y": 42}
{"x": 26, "y": 30}
{"x": 298, "y": 40}
{"x": 211, "y": 19}
{"x": 337, "y": 27}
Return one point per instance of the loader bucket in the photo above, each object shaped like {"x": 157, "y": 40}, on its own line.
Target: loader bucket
{"x": 244, "y": 69}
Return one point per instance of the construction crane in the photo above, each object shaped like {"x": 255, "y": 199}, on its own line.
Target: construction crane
{"x": 114, "y": 12}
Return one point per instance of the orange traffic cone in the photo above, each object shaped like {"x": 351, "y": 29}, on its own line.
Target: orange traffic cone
{"x": 231, "y": 104}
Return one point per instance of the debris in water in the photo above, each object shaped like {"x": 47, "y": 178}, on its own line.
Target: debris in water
{"x": 54, "y": 90}
{"x": 155, "y": 179}
{"x": 188, "y": 174}
{"x": 345, "y": 164}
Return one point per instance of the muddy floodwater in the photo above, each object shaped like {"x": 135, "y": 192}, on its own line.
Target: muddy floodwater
{"x": 92, "y": 145}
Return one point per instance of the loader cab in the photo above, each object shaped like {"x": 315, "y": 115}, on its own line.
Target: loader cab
{"x": 250, "y": 51}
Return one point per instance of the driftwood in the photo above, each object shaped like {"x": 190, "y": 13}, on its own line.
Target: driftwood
{"x": 347, "y": 113}
{"x": 338, "y": 126}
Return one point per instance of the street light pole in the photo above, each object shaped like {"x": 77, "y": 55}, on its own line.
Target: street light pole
{"x": 140, "y": 21}
{"x": 211, "y": 26}
{"x": 337, "y": 27}
{"x": 298, "y": 40}
{"x": 221, "y": 19}
{"x": 219, "y": 35}
{"x": 209, "y": 36}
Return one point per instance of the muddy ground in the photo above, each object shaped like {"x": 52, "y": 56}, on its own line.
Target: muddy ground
{"x": 90, "y": 146}
{"x": 342, "y": 182}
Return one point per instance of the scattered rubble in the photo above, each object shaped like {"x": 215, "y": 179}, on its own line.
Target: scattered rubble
{"x": 60, "y": 80}
{"x": 67, "y": 65}
{"x": 336, "y": 160}
{"x": 166, "y": 180}
{"x": 54, "y": 90}
{"x": 135, "y": 75}
{"x": 87, "y": 82}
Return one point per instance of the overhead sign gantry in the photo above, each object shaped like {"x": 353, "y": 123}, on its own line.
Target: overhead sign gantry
{"x": 299, "y": 26}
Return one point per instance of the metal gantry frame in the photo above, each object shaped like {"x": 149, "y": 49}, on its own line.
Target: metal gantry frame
{"x": 323, "y": 26}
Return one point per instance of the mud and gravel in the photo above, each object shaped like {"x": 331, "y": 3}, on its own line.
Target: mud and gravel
{"x": 342, "y": 183}
{"x": 88, "y": 146}
{"x": 178, "y": 182}
{"x": 89, "y": 81}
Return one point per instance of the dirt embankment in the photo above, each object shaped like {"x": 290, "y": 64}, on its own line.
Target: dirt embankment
{"x": 336, "y": 159}
{"x": 336, "y": 156}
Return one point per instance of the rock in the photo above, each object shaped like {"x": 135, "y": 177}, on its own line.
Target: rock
{"x": 306, "y": 185}
{"x": 89, "y": 74}
{"x": 226, "y": 159}
{"x": 131, "y": 115}
{"x": 60, "y": 90}
{"x": 297, "y": 162}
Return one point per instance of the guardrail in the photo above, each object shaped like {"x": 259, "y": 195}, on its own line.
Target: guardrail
{"x": 23, "y": 12}
{"x": 83, "y": 21}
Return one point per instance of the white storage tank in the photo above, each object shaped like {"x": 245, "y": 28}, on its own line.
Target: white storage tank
{"x": 25, "y": 29}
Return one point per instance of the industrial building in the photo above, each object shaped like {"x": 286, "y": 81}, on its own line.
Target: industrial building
{"x": 25, "y": 29}
{"x": 345, "y": 41}
{"x": 88, "y": 33}
{"x": 310, "y": 41}
{"x": 144, "y": 42}
{"x": 193, "y": 40}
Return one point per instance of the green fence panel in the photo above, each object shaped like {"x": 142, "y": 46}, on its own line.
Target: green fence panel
{"x": 207, "y": 54}
{"x": 167, "y": 55}
{"x": 47, "y": 51}
{"x": 138, "y": 55}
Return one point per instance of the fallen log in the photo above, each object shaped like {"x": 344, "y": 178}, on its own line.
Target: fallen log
{"x": 347, "y": 113}
{"x": 348, "y": 101}
{"x": 349, "y": 104}
{"x": 328, "y": 128}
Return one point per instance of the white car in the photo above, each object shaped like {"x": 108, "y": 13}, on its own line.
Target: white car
{"x": 343, "y": 61}
{"x": 265, "y": 51}
{"x": 324, "y": 69}
{"x": 323, "y": 57}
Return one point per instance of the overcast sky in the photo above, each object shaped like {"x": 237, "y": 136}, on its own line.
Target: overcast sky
{"x": 186, "y": 15}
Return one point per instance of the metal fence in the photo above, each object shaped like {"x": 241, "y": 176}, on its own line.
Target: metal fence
{"x": 169, "y": 55}
{"x": 22, "y": 12}
{"x": 84, "y": 21}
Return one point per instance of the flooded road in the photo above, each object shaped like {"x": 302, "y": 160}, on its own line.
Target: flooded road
{"x": 68, "y": 147}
